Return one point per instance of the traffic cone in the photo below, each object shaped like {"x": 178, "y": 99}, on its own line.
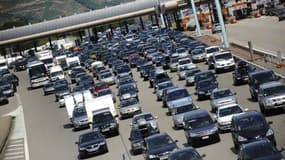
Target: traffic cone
{"x": 257, "y": 14}
{"x": 233, "y": 20}
{"x": 209, "y": 26}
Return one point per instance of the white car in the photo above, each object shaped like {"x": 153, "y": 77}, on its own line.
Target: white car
{"x": 225, "y": 113}
{"x": 210, "y": 50}
{"x": 223, "y": 61}
{"x": 182, "y": 52}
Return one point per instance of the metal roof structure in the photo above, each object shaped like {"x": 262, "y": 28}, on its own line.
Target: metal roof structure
{"x": 83, "y": 20}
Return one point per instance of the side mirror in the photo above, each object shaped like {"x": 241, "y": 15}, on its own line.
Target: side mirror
{"x": 234, "y": 93}
{"x": 246, "y": 109}
{"x": 203, "y": 155}
{"x": 233, "y": 72}
{"x": 270, "y": 122}
{"x": 156, "y": 117}
{"x": 281, "y": 149}
{"x": 176, "y": 141}
{"x": 129, "y": 138}
{"x": 131, "y": 124}
{"x": 76, "y": 143}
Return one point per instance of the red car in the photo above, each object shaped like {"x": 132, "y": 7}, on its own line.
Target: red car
{"x": 99, "y": 86}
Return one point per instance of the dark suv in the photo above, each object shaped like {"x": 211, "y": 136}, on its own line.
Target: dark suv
{"x": 255, "y": 79}
{"x": 250, "y": 126}
{"x": 105, "y": 122}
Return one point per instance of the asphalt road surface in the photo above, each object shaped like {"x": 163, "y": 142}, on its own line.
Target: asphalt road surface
{"x": 50, "y": 136}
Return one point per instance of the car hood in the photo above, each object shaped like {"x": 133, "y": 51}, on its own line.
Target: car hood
{"x": 276, "y": 156}
{"x": 252, "y": 133}
{"x": 202, "y": 131}
{"x": 208, "y": 88}
{"x": 225, "y": 100}
{"x": 225, "y": 119}
{"x": 76, "y": 119}
{"x": 129, "y": 107}
{"x": 168, "y": 148}
{"x": 95, "y": 141}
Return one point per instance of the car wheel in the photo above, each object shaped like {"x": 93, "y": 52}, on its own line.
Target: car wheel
{"x": 189, "y": 142}
{"x": 236, "y": 145}
{"x": 262, "y": 109}
{"x": 106, "y": 150}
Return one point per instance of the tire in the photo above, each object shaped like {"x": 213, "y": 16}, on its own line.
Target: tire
{"x": 262, "y": 109}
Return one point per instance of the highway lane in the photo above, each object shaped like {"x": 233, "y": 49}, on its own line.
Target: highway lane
{"x": 49, "y": 139}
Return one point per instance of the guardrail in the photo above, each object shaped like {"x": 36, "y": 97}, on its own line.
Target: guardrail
{"x": 6, "y": 124}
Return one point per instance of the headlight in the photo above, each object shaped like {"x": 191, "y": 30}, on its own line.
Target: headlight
{"x": 269, "y": 132}
{"x": 201, "y": 92}
{"x": 215, "y": 129}
{"x": 82, "y": 148}
{"x": 103, "y": 143}
{"x": 194, "y": 134}
{"x": 137, "y": 144}
{"x": 113, "y": 124}
{"x": 241, "y": 139}
{"x": 268, "y": 102}
{"x": 152, "y": 156}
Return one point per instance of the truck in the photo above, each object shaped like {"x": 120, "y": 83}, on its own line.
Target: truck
{"x": 38, "y": 73}
{"x": 46, "y": 57}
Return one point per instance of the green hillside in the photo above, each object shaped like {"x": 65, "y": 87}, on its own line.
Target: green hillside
{"x": 23, "y": 12}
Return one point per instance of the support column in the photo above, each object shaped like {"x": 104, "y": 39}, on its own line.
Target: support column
{"x": 162, "y": 21}
{"x": 156, "y": 19}
{"x": 126, "y": 26}
{"x": 35, "y": 46}
{"x": 95, "y": 35}
{"x": 151, "y": 18}
{"x": 221, "y": 21}
{"x": 198, "y": 30}
{"x": 141, "y": 22}
{"x": 111, "y": 29}
{"x": 50, "y": 43}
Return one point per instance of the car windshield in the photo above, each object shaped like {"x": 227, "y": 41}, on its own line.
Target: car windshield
{"x": 61, "y": 88}
{"x": 191, "y": 73}
{"x": 205, "y": 83}
{"x": 264, "y": 77}
{"x": 259, "y": 151}
{"x": 104, "y": 92}
{"x": 58, "y": 73}
{"x": 229, "y": 111}
{"x": 199, "y": 122}
{"x": 185, "y": 155}
{"x": 127, "y": 89}
{"x": 212, "y": 50}
{"x": 102, "y": 117}
{"x": 181, "y": 50}
{"x": 174, "y": 60}
{"x": 159, "y": 142}
{"x": 183, "y": 109}
{"x": 100, "y": 85}
{"x": 186, "y": 61}
{"x": 123, "y": 70}
{"x": 164, "y": 85}
{"x": 89, "y": 137}
{"x": 205, "y": 75}
{"x": 106, "y": 75}
{"x": 80, "y": 111}
{"x": 128, "y": 102}
{"x": 147, "y": 117}
{"x": 274, "y": 90}
{"x": 197, "y": 51}
{"x": 243, "y": 70}
{"x": 177, "y": 94}
{"x": 251, "y": 123}
{"x": 222, "y": 94}
{"x": 224, "y": 56}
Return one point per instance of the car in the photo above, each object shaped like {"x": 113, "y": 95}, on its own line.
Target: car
{"x": 49, "y": 88}
{"x": 107, "y": 77}
{"x": 160, "y": 87}
{"x": 204, "y": 88}
{"x": 225, "y": 113}
{"x": 129, "y": 107}
{"x": 249, "y": 126}
{"x": 256, "y": 78}
{"x": 7, "y": 88}
{"x": 187, "y": 153}
{"x": 20, "y": 64}
{"x": 143, "y": 119}
{"x": 73, "y": 73}
{"x": 10, "y": 77}
{"x": 98, "y": 87}
{"x": 210, "y": 50}
{"x": 220, "y": 97}
{"x": 137, "y": 137}
{"x": 159, "y": 77}
{"x": 216, "y": 28}
{"x": 86, "y": 79}
{"x": 145, "y": 70}
{"x": 159, "y": 146}
{"x": 178, "y": 112}
{"x": 127, "y": 91}
{"x": 105, "y": 92}
{"x": 210, "y": 62}
{"x": 189, "y": 76}
{"x": 60, "y": 91}
{"x": 203, "y": 75}
{"x": 79, "y": 118}
{"x": 271, "y": 96}
{"x": 127, "y": 80}
{"x": 124, "y": 70}
{"x": 91, "y": 143}
{"x": 173, "y": 63}
{"x": 78, "y": 76}
{"x": 197, "y": 55}
{"x": 176, "y": 96}
{"x": 105, "y": 122}
{"x": 260, "y": 149}
{"x": 181, "y": 70}
{"x": 240, "y": 74}
{"x": 223, "y": 61}
{"x": 182, "y": 52}
{"x": 199, "y": 126}
{"x": 3, "y": 98}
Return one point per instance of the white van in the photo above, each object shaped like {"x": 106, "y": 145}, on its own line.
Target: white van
{"x": 56, "y": 72}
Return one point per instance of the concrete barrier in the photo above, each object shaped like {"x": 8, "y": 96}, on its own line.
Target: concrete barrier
{"x": 6, "y": 124}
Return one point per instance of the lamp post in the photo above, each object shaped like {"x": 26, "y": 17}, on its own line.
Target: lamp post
{"x": 198, "y": 30}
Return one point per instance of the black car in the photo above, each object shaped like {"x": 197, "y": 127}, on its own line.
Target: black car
{"x": 250, "y": 126}
{"x": 105, "y": 122}
{"x": 20, "y": 64}
{"x": 3, "y": 98}
{"x": 49, "y": 88}
{"x": 204, "y": 88}
{"x": 200, "y": 127}
{"x": 255, "y": 79}
{"x": 61, "y": 90}
{"x": 203, "y": 76}
{"x": 259, "y": 150}
{"x": 240, "y": 74}
{"x": 137, "y": 137}
{"x": 7, "y": 88}
{"x": 188, "y": 153}
{"x": 145, "y": 70}
{"x": 12, "y": 78}
{"x": 159, "y": 146}
{"x": 91, "y": 143}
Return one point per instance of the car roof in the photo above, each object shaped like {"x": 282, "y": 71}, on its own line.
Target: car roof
{"x": 259, "y": 142}
{"x": 92, "y": 131}
{"x": 195, "y": 114}
{"x": 248, "y": 114}
{"x": 189, "y": 148}
{"x": 220, "y": 89}
{"x": 228, "y": 105}
{"x": 259, "y": 72}
{"x": 156, "y": 136}
{"x": 270, "y": 84}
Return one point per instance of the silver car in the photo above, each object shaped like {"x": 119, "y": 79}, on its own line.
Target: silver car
{"x": 189, "y": 76}
{"x": 271, "y": 96}
{"x": 221, "y": 97}
{"x": 160, "y": 87}
{"x": 178, "y": 112}
{"x": 197, "y": 55}
{"x": 129, "y": 107}
{"x": 147, "y": 118}
{"x": 181, "y": 71}
{"x": 173, "y": 63}
{"x": 79, "y": 117}
{"x": 107, "y": 77}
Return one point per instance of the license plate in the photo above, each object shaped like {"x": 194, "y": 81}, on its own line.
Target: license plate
{"x": 163, "y": 157}
{"x": 105, "y": 130}
{"x": 205, "y": 137}
{"x": 227, "y": 67}
{"x": 92, "y": 149}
